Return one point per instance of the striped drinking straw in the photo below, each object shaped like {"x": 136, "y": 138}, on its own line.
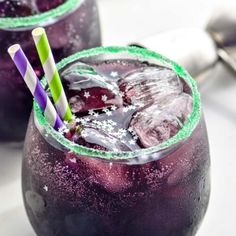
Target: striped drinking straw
{"x": 51, "y": 73}
{"x": 34, "y": 85}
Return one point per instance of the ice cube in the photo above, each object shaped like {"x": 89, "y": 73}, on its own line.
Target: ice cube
{"x": 178, "y": 105}
{"x": 162, "y": 120}
{"x": 89, "y": 90}
{"x": 154, "y": 126}
{"x": 144, "y": 86}
{"x": 99, "y": 137}
{"x": 82, "y": 76}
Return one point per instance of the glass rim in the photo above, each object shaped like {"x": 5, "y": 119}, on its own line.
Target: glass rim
{"x": 182, "y": 134}
{"x": 40, "y": 18}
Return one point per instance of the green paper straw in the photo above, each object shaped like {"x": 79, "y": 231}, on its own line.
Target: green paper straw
{"x": 51, "y": 73}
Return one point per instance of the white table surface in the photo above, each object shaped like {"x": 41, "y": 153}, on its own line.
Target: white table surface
{"x": 125, "y": 21}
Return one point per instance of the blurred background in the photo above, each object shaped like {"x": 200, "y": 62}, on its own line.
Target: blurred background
{"x": 128, "y": 21}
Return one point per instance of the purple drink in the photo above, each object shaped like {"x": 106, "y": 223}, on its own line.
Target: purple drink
{"x": 71, "y": 26}
{"x": 143, "y": 164}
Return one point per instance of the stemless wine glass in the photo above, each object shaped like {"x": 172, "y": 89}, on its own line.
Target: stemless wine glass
{"x": 164, "y": 190}
{"x": 71, "y": 26}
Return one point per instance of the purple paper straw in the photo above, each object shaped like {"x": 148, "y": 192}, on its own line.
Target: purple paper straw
{"x": 35, "y": 86}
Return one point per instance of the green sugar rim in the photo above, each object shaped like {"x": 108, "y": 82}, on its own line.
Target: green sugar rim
{"x": 183, "y": 133}
{"x": 38, "y": 19}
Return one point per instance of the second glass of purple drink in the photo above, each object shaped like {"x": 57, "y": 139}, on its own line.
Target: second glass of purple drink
{"x": 71, "y": 25}
{"x": 94, "y": 186}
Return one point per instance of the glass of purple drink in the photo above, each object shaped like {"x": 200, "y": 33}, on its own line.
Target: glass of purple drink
{"x": 71, "y": 25}
{"x": 134, "y": 162}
